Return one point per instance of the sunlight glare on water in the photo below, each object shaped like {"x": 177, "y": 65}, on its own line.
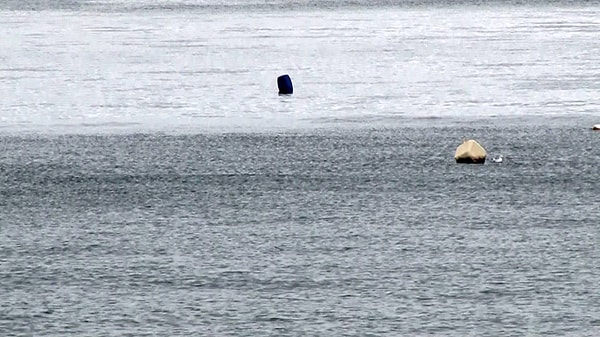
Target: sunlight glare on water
{"x": 207, "y": 70}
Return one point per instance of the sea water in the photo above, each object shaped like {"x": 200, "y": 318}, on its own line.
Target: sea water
{"x": 153, "y": 182}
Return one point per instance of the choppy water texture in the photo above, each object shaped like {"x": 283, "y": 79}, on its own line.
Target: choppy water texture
{"x": 153, "y": 183}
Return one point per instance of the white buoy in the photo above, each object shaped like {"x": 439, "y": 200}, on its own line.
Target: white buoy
{"x": 498, "y": 159}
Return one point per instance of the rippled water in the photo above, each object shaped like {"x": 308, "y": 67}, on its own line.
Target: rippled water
{"x": 152, "y": 182}
{"x": 206, "y": 70}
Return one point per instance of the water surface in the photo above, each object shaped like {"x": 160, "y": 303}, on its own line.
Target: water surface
{"x": 152, "y": 182}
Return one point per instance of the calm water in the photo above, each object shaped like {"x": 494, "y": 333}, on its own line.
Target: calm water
{"x": 153, "y": 183}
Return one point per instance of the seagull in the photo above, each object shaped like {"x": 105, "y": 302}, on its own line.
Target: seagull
{"x": 497, "y": 159}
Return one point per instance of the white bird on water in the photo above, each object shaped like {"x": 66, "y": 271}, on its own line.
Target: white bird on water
{"x": 497, "y": 159}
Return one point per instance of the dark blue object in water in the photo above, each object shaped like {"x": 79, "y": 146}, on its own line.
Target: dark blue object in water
{"x": 284, "y": 82}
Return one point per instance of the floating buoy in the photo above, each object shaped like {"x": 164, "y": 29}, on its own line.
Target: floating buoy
{"x": 284, "y": 83}
{"x": 596, "y": 127}
{"x": 470, "y": 152}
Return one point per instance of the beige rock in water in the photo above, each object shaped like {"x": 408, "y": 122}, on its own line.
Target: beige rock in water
{"x": 470, "y": 152}
{"x": 596, "y": 127}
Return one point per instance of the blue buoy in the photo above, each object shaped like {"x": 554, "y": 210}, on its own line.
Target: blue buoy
{"x": 284, "y": 82}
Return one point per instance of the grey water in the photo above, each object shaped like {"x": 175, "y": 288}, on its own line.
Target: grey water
{"x": 153, "y": 182}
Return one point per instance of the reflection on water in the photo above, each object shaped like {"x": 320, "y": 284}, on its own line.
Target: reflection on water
{"x": 216, "y": 70}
